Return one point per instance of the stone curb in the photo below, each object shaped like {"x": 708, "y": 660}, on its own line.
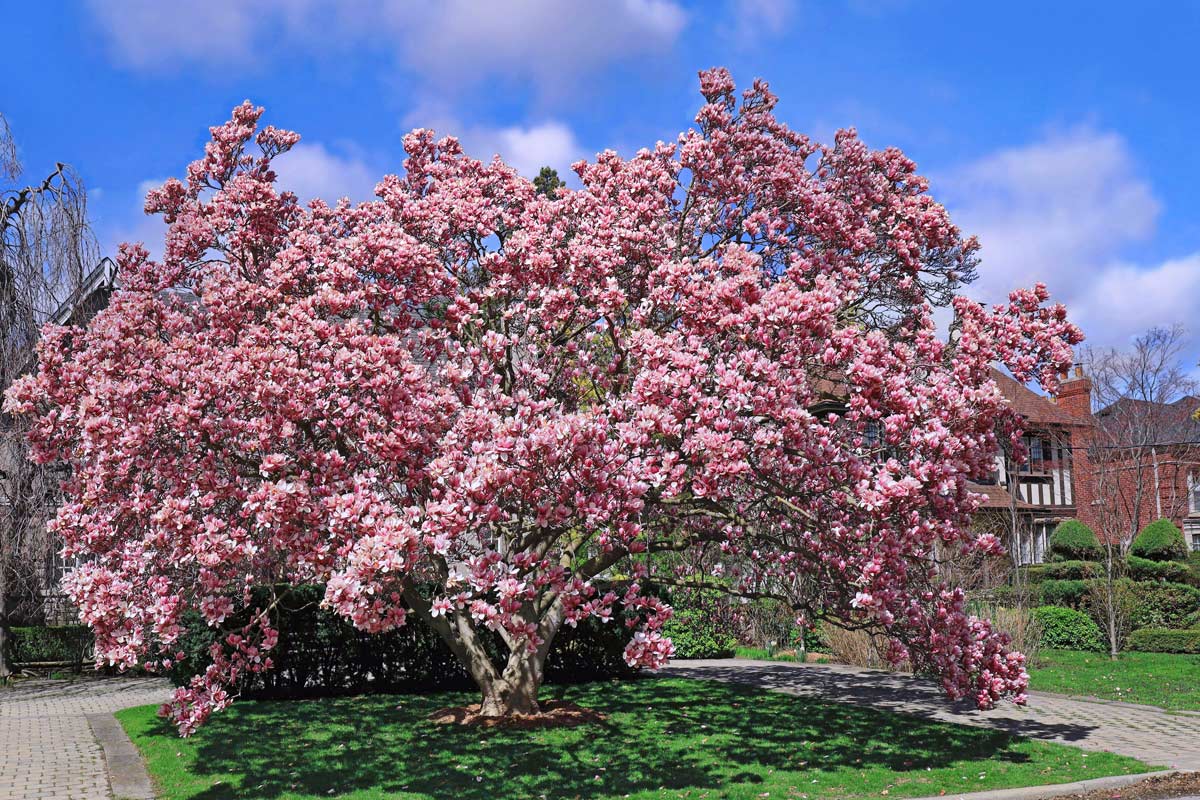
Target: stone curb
{"x": 126, "y": 772}
{"x": 1054, "y": 789}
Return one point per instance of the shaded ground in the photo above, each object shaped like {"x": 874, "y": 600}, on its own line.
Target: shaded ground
{"x": 1149, "y": 734}
{"x": 665, "y": 738}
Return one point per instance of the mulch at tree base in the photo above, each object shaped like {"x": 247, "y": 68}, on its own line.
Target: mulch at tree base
{"x": 1160, "y": 787}
{"x": 554, "y": 714}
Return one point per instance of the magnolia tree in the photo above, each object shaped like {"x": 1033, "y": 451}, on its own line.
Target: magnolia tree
{"x": 488, "y": 407}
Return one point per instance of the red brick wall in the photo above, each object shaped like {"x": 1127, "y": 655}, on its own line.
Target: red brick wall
{"x": 1122, "y": 470}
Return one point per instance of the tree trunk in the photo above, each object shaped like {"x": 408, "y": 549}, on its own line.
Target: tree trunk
{"x": 516, "y": 691}
{"x": 513, "y": 691}
{"x": 5, "y": 668}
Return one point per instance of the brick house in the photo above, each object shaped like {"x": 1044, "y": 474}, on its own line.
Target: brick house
{"x": 1144, "y": 458}
{"x": 1027, "y": 501}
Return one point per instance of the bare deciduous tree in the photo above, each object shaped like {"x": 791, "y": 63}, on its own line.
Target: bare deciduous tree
{"x": 46, "y": 249}
{"x": 1144, "y": 440}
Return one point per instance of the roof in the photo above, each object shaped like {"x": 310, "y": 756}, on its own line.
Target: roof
{"x": 1149, "y": 423}
{"x": 102, "y": 278}
{"x": 1032, "y": 406}
{"x": 996, "y": 496}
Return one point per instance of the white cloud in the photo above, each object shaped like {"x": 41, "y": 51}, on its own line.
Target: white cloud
{"x": 754, "y": 18}
{"x": 546, "y": 42}
{"x": 311, "y": 170}
{"x": 1063, "y": 211}
{"x": 527, "y": 149}
{"x": 152, "y": 35}
{"x": 1124, "y": 300}
{"x": 449, "y": 44}
{"x": 1054, "y": 211}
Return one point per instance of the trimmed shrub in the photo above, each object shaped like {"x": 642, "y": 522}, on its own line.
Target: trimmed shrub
{"x": 1074, "y": 541}
{"x": 52, "y": 643}
{"x": 1160, "y": 541}
{"x": 1161, "y": 640}
{"x": 1073, "y": 570}
{"x": 1143, "y": 569}
{"x": 1068, "y": 594}
{"x": 695, "y": 636}
{"x": 1164, "y": 605}
{"x": 1067, "y": 629}
{"x": 1035, "y": 574}
{"x": 319, "y": 653}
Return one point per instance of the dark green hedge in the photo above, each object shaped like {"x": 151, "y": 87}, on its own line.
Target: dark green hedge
{"x": 1035, "y": 574}
{"x": 1068, "y": 594}
{"x": 1164, "y": 605}
{"x": 1160, "y": 541}
{"x": 1074, "y": 541}
{"x": 1067, "y": 629}
{"x": 34, "y": 644}
{"x": 1073, "y": 570}
{"x": 695, "y": 635}
{"x": 1143, "y": 569}
{"x": 321, "y": 654}
{"x": 1161, "y": 640}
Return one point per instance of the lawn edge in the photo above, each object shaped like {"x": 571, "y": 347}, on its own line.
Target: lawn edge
{"x": 1051, "y": 790}
{"x": 123, "y": 764}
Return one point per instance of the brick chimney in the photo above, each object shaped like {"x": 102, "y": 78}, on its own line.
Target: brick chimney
{"x": 1075, "y": 394}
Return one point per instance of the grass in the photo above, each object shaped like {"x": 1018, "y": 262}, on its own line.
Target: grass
{"x": 1156, "y": 679}
{"x": 665, "y": 738}
{"x": 763, "y": 654}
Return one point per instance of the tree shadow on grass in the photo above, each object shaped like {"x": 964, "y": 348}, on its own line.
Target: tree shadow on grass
{"x": 673, "y": 734}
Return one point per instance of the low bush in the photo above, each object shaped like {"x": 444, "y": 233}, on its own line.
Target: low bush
{"x": 1143, "y": 569}
{"x": 52, "y": 643}
{"x": 1160, "y": 541}
{"x": 1164, "y": 605}
{"x": 1073, "y": 570}
{"x": 321, "y": 654}
{"x": 1074, "y": 541}
{"x": 695, "y": 636}
{"x": 1067, "y": 629}
{"x": 812, "y": 639}
{"x": 1162, "y": 640}
{"x": 1068, "y": 594}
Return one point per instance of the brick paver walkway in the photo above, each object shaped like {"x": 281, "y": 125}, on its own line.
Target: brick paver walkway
{"x": 1154, "y": 736}
{"x": 47, "y": 750}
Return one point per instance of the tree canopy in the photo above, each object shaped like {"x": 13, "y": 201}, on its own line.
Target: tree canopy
{"x": 484, "y": 405}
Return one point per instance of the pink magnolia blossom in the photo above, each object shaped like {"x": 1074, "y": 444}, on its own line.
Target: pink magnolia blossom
{"x": 516, "y": 398}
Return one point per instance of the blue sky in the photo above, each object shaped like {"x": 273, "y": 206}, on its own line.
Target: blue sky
{"x": 1062, "y": 134}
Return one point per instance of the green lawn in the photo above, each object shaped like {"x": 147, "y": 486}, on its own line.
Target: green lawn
{"x": 762, "y": 654}
{"x": 665, "y": 738}
{"x": 1156, "y": 679}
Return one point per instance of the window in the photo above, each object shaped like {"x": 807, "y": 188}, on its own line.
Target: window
{"x": 1036, "y": 451}
{"x": 871, "y": 434}
{"x": 1032, "y": 544}
{"x": 1194, "y": 493}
